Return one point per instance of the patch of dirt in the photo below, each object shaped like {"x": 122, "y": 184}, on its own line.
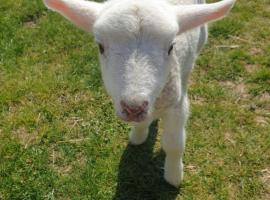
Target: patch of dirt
{"x": 233, "y": 189}
{"x": 30, "y": 24}
{"x": 24, "y": 137}
{"x": 251, "y": 68}
{"x": 198, "y": 100}
{"x": 238, "y": 89}
{"x": 255, "y": 51}
{"x": 265, "y": 178}
{"x": 262, "y": 117}
{"x": 264, "y": 97}
{"x": 241, "y": 90}
{"x": 261, "y": 121}
{"x": 265, "y": 111}
{"x": 229, "y": 84}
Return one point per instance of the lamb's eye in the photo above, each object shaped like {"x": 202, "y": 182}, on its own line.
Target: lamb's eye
{"x": 170, "y": 49}
{"x": 101, "y": 48}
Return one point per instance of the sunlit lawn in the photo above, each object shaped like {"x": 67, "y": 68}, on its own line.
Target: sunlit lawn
{"x": 59, "y": 138}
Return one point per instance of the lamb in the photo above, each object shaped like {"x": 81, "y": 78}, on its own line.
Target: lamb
{"x": 147, "y": 50}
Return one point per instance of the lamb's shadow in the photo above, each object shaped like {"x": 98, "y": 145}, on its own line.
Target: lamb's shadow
{"x": 141, "y": 173}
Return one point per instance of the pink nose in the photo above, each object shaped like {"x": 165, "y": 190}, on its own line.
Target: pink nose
{"x": 134, "y": 110}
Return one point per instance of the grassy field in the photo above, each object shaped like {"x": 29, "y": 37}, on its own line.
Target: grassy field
{"x": 59, "y": 138}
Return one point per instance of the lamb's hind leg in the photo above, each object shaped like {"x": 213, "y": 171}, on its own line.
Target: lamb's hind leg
{"x": 173, "y": 143}
{"x": 139, "y": 133}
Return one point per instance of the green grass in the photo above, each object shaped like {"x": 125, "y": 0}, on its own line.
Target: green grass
{"x": 60, "y": 138}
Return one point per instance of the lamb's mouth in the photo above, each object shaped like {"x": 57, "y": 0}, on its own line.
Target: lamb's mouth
{"x": 136, "y": 118}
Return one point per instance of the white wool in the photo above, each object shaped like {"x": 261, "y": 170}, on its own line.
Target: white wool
{"x": 136, "y": 67}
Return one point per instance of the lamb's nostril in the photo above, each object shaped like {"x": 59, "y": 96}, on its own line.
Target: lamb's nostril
{"x": 145, "y": 104}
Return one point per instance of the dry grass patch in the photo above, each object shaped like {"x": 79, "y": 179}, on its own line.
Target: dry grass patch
{"x": 261, "y": 121}
{"x": 228, "y": 137}
{"x": 25, "y": 137}
{"x": 60, "y": 164}
{"x": 73, "y": 122}
{"x": 30, "y": 24}
{"x": 192, "y": 169}
{"x": 265, "y": 178}
{"x": 198, "y": 100}
{"x": 262, "y": 117}
{"x": 232, "y": 190}
{"x": 265, "y": 97}
{"x": 255, "y": 51}
{"x": 250, "y": 68}
{"x": 57, "y": 163}
{"x": 238, "y": 89}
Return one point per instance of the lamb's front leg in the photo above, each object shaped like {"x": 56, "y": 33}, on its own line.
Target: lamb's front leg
{"x": 173, "y": 143}
{"x": 139, "y": 133}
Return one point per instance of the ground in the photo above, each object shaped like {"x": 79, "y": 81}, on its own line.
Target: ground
{"x": 60, "y": 138}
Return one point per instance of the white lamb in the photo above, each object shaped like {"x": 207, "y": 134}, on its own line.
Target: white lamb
{"x": 147, "y": 51}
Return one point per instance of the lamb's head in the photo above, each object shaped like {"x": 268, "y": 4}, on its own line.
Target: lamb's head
{"x": 135, "y": 53}
{"x": 136, "y": 41}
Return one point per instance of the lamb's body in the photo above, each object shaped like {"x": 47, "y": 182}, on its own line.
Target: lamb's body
{"x": 147, "y": 51}
{"x": 172, "y": 106}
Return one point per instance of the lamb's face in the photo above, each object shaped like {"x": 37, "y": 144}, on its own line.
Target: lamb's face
{"x": 136, "y": 48}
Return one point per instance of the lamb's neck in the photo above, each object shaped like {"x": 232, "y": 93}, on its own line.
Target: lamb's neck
{"x": 171, "y": 93}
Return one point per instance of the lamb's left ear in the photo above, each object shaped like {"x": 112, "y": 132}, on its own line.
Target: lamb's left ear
{"x": 80, "y": 12}
{"x": 191, "y": 16}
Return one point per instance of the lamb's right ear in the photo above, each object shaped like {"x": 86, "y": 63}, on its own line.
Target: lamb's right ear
{"x": 192, "y": 16}
{"x": 80, "y": 12}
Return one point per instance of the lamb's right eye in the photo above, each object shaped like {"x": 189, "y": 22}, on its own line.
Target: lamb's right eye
{"x": 101, "y": 48}
{"x": 170, "y": 49}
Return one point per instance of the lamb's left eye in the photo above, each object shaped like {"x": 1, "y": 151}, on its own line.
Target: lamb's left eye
{"x": 101, "y": 48}
{"x": 170, "y": 49}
